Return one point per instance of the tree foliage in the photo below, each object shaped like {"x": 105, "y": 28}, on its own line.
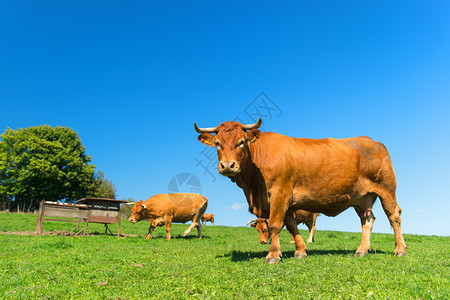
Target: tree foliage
{"x": 102, "y": 187}
{"x": 44, "y": 163}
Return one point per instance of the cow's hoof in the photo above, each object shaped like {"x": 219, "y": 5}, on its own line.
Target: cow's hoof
{"x": 400, "y": 254}
{"x": 273, "y": 260}
{"x": 300, "y": 255}
{"x": 361, "y": 253}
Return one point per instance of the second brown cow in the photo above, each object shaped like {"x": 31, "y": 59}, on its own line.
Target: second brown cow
{"x": 301, "y": 216}
{"x": 163, "y": 209}
{"x": 208, "y": 218}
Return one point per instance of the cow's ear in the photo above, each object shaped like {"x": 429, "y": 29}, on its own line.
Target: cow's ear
{"x": 207, "y": 139}
{"x": 253, "y": 224}
{"x": 252, "y": 135}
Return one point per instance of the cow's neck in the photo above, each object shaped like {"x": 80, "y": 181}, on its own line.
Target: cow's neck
{"x": 252, "y": 182}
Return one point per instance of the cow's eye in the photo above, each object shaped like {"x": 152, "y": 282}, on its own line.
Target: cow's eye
{"x": 240, "y": 144}
{"x": 218, "y": 144}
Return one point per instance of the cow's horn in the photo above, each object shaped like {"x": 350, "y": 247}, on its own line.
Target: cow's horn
{"x": 251, "y": 126}
{"x": 143, "y": 205}
{"x": 249, "y": 222}
{"x": 205, "y": 130}
{"x": 129, "y": 203}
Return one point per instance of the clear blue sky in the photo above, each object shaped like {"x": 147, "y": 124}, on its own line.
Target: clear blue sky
{"x": 131, "y": 77}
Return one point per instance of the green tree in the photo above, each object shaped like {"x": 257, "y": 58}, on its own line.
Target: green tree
{"x": 43, "y": 163}
{"x": 126, "y": 209}
{"x": 102, "y": 187}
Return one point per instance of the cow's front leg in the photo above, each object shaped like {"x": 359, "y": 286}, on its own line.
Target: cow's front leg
{"x": 278, "y": 208}
{"x": 300, "y": 247}
{"x": 274, "y": 255}
{"x": 150, "y": 230}
{"x": 168, "y": 222}
{"x": 312, "y": 227}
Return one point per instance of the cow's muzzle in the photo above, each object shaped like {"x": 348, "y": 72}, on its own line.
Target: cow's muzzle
{"x": 132, "y": 220}
{"x": 229, "y": 168}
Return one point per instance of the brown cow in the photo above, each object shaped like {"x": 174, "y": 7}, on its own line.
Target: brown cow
{"x": 280, "y": 174}
{"x": 301, "y": 216}
{"x": 208, "y": 218}
{"x": 163, "y": 209}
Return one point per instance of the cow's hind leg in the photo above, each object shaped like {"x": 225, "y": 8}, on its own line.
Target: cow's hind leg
{"x": 199, "y": 230}
{"x": 312, "y": 227}
{"x": 196, "y": 221}
{"x": 393, "y": 212}
{"x": 364, "y": 211}
{"x": 291, "y": 225}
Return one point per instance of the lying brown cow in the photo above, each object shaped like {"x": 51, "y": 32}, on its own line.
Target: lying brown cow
{"x": 280, "y": 174}
{"x": 208, "y": 218}
{"x": 164, "y": 209}
{"x": 301, "y": 216}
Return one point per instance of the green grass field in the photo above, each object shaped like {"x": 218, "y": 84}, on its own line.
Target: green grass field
{"x": 227, "y": 263}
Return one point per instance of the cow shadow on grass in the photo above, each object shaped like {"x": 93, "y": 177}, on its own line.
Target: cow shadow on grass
{"x": 239, "y": 256}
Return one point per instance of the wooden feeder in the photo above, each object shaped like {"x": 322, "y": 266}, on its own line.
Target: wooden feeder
{"x": 87, "y": 210}
{"x": 62, "y": 212}
{"x": 104, "y": 211}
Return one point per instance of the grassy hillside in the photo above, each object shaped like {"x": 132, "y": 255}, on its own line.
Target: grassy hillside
{"x": 227, "y": 263}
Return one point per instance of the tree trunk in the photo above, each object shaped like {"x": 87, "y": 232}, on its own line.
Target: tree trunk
{"x": 29, "y": 206}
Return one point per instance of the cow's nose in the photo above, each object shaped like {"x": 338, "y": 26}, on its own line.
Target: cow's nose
{"x": 228, "y": 167}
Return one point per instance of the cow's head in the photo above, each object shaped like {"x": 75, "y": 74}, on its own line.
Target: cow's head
{"x": 263, "y": 228}
{"x": 231, "y": 140}
{"x": 138, "y": 212}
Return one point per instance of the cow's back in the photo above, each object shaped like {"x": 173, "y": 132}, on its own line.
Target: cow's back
{"x": 159, "y": 205}
{"x": 186, "y": 205}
